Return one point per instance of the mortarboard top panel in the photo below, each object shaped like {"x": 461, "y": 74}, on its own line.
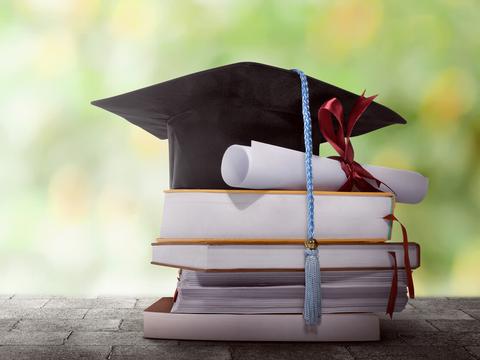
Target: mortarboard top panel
{"x": 202, "y": 114}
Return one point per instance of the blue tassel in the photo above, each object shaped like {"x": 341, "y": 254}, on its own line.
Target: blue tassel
{"x": 312, "y": 307}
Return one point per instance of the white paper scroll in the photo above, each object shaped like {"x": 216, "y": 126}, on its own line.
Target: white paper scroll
{"x": 264, "y": 166}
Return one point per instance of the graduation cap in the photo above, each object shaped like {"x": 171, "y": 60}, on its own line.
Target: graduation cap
{"x": 202, "y": 114}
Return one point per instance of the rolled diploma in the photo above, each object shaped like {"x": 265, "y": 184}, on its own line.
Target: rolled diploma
{"x": 265, "y": 166}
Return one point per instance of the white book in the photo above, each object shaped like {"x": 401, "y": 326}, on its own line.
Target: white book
{"x": 208, "y": 257}
{"x": 275, "y": 214}
{"x": 284, "y": 299}
{"x": 160, "y": 323}
{"x": 283, "y": 278}
{"x": 261, "y": 293}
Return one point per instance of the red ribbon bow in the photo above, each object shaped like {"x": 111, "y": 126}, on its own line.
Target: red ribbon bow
{"x": 340, "y": 140}
{"x": 358, "y": 177}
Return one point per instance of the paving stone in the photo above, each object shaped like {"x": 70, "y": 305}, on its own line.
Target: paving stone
{"x": 425, "y": 302}
{"x": 110, "y": 338}
{"x": 446, "y": 303}
{"x": 53, "y": 352}
{"x": 32, "y": 297}
{"x": 407, "y": 325}
{"x": 467, "y": 339}
{"x": 132, "y": 325}
{"x": 473, "y": 313}
{"x": 441, "y": 338}
{"x": 427, "y": 314}
{"x": 25, "y": 313}
{"x": 7, "y": 324}
{"x": 88, "y": 303}
{"x": 373, "y": 352}
{"x": 429, "y": 338}
{"x": 387, "y": 338}
{"x": 465, "y": 302}
{"x": 171, "y": 352}
{"x": 47, "y": 327}
{"x": 118, "y": 302}
{"x": 456, "y": 325}
{"x": 16, "y": 303}
{"x": 114, "y": 314}
{"x": 69, "y": 325}
{"x": 474, "y": 350}
{"x": 408, "y": 306}
{"x": 298, "y": 351}
{"x": 16, "y": 337}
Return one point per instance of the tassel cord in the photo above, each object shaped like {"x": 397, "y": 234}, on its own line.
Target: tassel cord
{"x": 312, "y": 303}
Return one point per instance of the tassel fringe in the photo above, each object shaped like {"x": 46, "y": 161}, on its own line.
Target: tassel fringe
{"x": 312, "y": 305}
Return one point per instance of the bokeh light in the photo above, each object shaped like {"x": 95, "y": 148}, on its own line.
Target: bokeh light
{"x": 82, "y": 189}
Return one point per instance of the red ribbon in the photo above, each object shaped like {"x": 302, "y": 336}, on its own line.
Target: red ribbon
{"x": 406, "y": 256}
{"x": 392, "y": 297}
{"x": 408, "y": 269}
{"x": 339, "y": 139}
{"x": 359, "y": 177}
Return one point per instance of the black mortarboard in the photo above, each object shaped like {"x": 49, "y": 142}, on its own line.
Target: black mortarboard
{"x": 202, "y": 114}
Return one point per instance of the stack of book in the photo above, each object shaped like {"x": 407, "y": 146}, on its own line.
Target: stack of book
{"x": 241, "y": 258}
{"x": 242, "y": 252}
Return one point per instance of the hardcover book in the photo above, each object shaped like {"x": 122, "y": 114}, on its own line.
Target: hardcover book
{"x": 275, "y": 214}
{"x": 159, "y": 322}
{"x": 214, "y": 255}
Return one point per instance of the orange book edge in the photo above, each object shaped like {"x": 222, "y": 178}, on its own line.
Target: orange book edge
{"x": 286, "y": 192}
{"x": 246, "y": 241}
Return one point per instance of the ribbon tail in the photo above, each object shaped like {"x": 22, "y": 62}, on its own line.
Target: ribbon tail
{"x": 358, "y": 109}
{"x": 312, "y": 304}
{"x": 365, "y": 174}
{"x": 392, "y": 296}
{"x": 406, "y": 256}
{"x": 363, "y": 185}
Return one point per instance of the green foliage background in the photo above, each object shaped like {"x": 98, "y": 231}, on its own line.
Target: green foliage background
{"x": 81, "y": 190}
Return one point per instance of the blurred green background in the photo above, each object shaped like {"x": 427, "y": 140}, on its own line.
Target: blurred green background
{"x": 81, "y": 189}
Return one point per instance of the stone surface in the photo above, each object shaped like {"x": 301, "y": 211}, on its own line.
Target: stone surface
{"x": 24, "y": 303}
{"x": 108, "y": 338}
{"x": 68, "y": 325}
{"x": 407, "y": 325}
{"x": 114, "y": 314}
{"x": 409, "y": 352}
{"x": 446, "y": 303}
{"x": 101, "y": 303}
{"x": 16, "y": 337}
{"x": 7, "y": 324}
{"x": 29, "y": 313}
{"x": 474, "y": 350}
{"x": 456, "y": 325}
{"x": 298, "y": 351}
{"x": 53, "y": 352}
{"x": 42, "y": 327}
{"x": 132, "y": 325}
{"x": 474, "y": 313}
{"x": 431, "y": 314}
{"x": 170, "y": 351}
